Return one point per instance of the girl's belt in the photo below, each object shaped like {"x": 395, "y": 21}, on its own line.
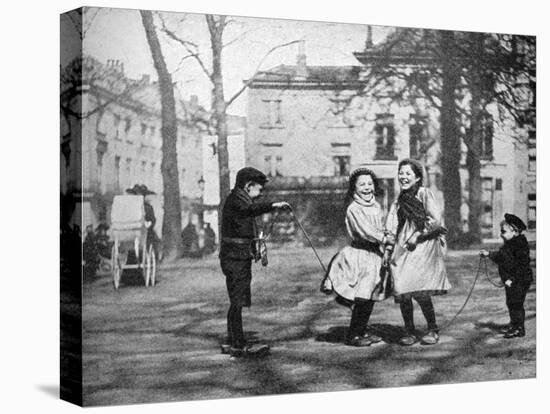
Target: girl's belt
{"x": 236, "y": 240}
{"x": 366, "y": 245}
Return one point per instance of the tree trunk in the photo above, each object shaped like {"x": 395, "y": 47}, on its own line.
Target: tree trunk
{"x": 171, "y": 226}
{"x": 450, "y": 139}
{"x": 216, "y": 27}
{"x": 474, "y": 142}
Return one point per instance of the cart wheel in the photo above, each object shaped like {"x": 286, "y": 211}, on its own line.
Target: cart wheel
{"x": 144, "y": 265}
{"x": 115, "y": 266}
{"x": 149, "y": 267}
{"x": 152, "y": 266}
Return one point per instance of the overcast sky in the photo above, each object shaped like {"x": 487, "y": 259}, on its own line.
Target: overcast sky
{"x": 119, "y": 34}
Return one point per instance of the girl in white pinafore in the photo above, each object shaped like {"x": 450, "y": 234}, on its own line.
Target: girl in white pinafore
{"x": 354, "y": 272}
{"x": 417, "y": 265}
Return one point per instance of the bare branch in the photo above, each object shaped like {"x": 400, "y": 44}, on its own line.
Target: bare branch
{"x": 91, "y": 20}
{"x": 190, "y": 47}
{"x": 257, "y": 71}
{"x": 76, "y": 24}
{"x": 237, "y": 38}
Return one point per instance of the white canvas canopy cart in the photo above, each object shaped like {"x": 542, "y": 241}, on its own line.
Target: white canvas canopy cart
{"x": 129, "y": 231}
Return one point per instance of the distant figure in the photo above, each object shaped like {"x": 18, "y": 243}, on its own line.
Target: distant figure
{"x": 209, "y": 239}
{"x": 515, "y": 271}
{"x": 190, "y": 240}
{"x": 150, "y": 219}
{"x": 102, "y": 240}
{"x": 90, "y": 253}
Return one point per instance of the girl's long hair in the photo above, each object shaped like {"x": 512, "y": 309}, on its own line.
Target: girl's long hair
{"x": 409, "y": 207}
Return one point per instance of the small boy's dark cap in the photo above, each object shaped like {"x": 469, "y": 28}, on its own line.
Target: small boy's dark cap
{"x": 514, "y": 221}
{"x": 248, "y": 174}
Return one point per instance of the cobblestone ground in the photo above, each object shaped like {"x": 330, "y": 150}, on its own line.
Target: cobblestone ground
{"x": 162, "y": 343}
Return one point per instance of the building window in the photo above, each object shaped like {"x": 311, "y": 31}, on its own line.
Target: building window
{"x": 273, "y": 113}
{"x": 143, "y": 128}
{"x": 385, "y": 137}
{"x": 144, "y": 171}
{"x": 129, "y": 176}
{"x": 418, "y": 135}
{"x": 117, "y": 174}
{"x": 487, "y": 137}
{"x": 128, "y": 125}
{"x": 532, "y": 211}
{"x": 267, "y": 164}
{"x": 487, "y": 193}
{"x": 154, "y": 176}
{"x": 341, "y": 165}
{"x": 532, "y": 149}
{"x": 279, "y": 166}
{"x": 116, "y": 124}
{"x": 272, "y": 165}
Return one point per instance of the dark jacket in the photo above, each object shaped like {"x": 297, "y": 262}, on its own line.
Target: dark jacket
{"x": 149, "y": 214}
{"x": 239, "y": 226}
{"x": 151, "y": 234}
{"x": 513, "y": 260}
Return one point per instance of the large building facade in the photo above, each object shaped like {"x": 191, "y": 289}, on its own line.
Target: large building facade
{"x": 111, "y": 140}
{"x": 309, "y": 126}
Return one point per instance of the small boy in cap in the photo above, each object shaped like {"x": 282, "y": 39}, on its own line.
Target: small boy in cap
{"x": 238, "y": 231}
{"x": 514, "y": 269}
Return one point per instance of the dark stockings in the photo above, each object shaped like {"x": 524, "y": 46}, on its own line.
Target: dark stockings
{"x": 427, "y": 307}
{"x": 235, "y": 326}
{"x": 359, "y": 318}
{"x": 515, "y": 298}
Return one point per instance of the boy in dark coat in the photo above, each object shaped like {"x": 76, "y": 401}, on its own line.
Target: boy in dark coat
{"x": 514, "y": 269}
{"x": 237, "y": 250}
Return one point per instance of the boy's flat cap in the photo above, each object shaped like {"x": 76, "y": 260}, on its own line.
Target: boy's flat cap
{"x": 247, "y": 174}
{"x": 515, "y": 221}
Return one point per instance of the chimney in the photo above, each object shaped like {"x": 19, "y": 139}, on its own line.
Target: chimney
{"x": 301, "y": 65}
{"x": 368, "y": 43}
{"x": 115, "y": 65}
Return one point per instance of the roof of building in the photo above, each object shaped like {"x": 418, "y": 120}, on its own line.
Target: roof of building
{"x": 312, "y": 75}
{"x": 139, "y": 94}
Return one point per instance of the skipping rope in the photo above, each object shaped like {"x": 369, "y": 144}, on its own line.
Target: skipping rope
{"x": 452, "y": 320}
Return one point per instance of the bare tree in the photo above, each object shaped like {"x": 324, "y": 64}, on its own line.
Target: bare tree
{"x": 493, "y": 70}
{"x": 216, "y": 27}
{"x": 171, "y": 226}
{"x": 444, "y": 66}
{"x": 422, "y": 63}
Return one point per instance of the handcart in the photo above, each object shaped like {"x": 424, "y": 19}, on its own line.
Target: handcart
{"x": 131, "y": 249}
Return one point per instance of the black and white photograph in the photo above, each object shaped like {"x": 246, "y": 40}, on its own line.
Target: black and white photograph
{"x": 293, "y": 207}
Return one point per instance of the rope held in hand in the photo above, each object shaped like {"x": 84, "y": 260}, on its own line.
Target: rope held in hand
{"x": 307, "y": 238}
{"x": 495, "y": 284}
{"x": 467, "y": 298}
{"x": 484, "y": 259}
{"x": 451, "y": 321}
